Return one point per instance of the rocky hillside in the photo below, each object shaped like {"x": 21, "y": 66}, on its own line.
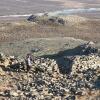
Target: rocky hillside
{"x": 45, "y": 80}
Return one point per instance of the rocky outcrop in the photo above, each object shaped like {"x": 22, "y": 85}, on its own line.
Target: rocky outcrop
{"x": 46, "y": 19}
{"x": 84, "y": 63}
{"x": 33, "y": 18}
{"x": 45, "y": 82}
{"x": 87, "y": 48}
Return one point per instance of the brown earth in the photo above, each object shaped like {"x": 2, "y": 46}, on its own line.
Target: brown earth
{"x": 76, "y": 26}
{"x": 18, "y": 37}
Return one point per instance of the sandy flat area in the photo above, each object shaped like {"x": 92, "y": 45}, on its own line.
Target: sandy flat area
{"x": 79, "y": 3}
{"x": 11, "y": 7}
{"x": 70, "y": 3}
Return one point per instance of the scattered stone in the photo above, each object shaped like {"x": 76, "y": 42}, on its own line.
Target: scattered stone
{"x": 46, "y": 19}
{"x": 2, "y": 57}
{"x": 87, "y": 48}
{"x": 32, "y": 18}
{"x": 2, "y": 72}
{"x": 44, "y": 80}
{"x": 84, "y": 63}
{"x": 13, "y": 93}
{"x": 35, "y": 50}
{"x": 61, "y": 21}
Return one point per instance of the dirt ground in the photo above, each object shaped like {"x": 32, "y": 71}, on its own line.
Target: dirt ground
{"x": 46, "y": 46}
{"x": 76, "y": 26}
{"x": 19, "y": 37}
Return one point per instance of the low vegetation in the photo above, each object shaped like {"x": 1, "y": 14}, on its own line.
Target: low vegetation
{"x": 78, "y": 27}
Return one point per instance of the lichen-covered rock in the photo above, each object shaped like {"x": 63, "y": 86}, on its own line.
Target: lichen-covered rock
{"x": 83, "y": 63}
{"x": 45, "y": 65}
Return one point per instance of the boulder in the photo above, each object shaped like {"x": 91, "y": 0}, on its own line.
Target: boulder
{"x": 2, "y": 57}
{"x": 61, "y": 21}
{"x": 88, "y": 48}
{"x": 13, "y": 93}
{"x": 2, "y": 72}
{"x": 33, "y": 18}
{"x": 52, "y": 19}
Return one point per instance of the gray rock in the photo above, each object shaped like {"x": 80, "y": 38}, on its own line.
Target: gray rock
{"x": 2, "y": 56}
{"x": 14, "y": 93}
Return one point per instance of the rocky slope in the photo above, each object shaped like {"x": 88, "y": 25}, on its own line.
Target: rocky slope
{"x": 46, "y": 80}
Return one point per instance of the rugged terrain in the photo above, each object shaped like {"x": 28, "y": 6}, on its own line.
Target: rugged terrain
{"x": 18, "y": 37}
{"x": 48, "y": 80}
{"x": 65, "y": 66}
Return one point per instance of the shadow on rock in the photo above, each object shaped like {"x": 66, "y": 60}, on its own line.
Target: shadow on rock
{"x": 97, "y": 83}
{"x": 65, "y": 58}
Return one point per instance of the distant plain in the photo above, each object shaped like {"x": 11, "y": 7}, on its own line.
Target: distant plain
{"x": 10, "y": 7}
{"x": 14, "y": 31}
